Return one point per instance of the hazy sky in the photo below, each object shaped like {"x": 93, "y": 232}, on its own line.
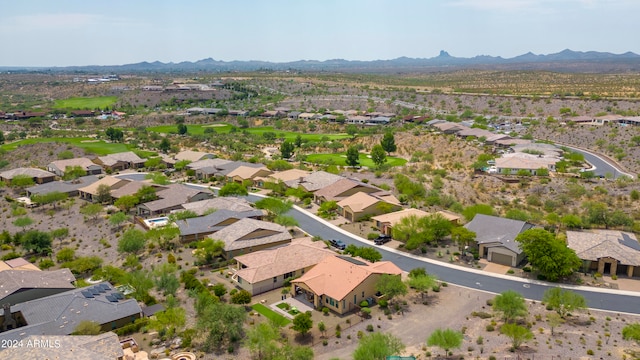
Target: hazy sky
{"x": 113, "y": 32}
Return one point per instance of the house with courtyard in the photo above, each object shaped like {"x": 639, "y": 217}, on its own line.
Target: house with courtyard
{"x": 361, "y": 205}
{"x": 197, "y": 228}
{"x": 609, "y": 252}
{"x": 71, "y": 187}
{"x": 496, "y": 236}
{"x": 385, "y": 222}
{"x": 61, "y": 313}
{"x": 231, "y": 203}
{"x": 59, "y": 167}
{"x": 269, "y": 269}
{"x": 120, "y": 161}
{"x": 341, "y": 283}
{"x": 512, "y": 164}
{"x": 90, "y": 192}
{"x": 38, "y": 176}
{"x": 342, "y": 189}
{"x": 171, "y": 197}
{"x": 249, "y": 235}
{"x": 248, "y": 173}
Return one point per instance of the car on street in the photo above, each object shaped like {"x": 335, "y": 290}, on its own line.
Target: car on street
{"x": 338, "y": 244}
{"x": 382, "y": 239}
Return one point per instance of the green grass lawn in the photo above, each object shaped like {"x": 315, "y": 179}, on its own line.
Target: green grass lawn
{"x": 341, "y": 159}
{"x": 80, "y": 103}
{"x": 226, "y": 128}
{"x": 271, "y": 315}
{"x": 98, "y": 147}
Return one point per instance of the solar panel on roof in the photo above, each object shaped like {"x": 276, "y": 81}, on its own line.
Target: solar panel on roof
{"x": 111, "y": 298}
{"x": 117, "y": 295}
{"x": 100, "y": 289}
{"x": 94, "y": 291}
{"x": 87, "y": 294}
{"x": 105, "y": 286}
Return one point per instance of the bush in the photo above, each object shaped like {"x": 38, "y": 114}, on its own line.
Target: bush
{"x": 383, "y": 303}
{"x": 481, "y": 314}
{"x": 370, "y": 328}
{"x": 45, "y": 264}
{"x": 372, "y": 236}
{"x": 325, "y": 310}
{"x": 589, "y": 352}
{"x": 490, "y": 328}
{"x": 526, "y": 269}
{"x": 489, "y": 302}
{"x": 364, "y": 303}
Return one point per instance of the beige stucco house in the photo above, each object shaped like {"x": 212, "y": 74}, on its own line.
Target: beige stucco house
{"x": 359, "y": 205}
{"x": 607, "y": 251}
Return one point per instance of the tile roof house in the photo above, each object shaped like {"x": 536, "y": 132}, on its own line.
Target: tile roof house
{"x": 341, "y": 282}
{"x": 60, "y": 166}
{"x": 218, "y": 203}
{"x": 607, "y": 251}
{"x": 17, "y": 264}
{"x": 90, "y": 191}
{"x": 314, "y": 181}
{"x": 61, "y": 313}
{"x": 266, "y": 270}
{"x": 193, "y": 156}
{"x": 361, "y": 204}
{"x": 243, "y": 173}
{"x": 287, "y": 175}
{"x": 496, "y": 238}
{"x": 68, "y": 187}
{"x": 171, "y": 197}
{"x": 520, "y": 161}
{"x": 17, "y": 286}
{"x": 78, "y": 347}
{"x": 39, "y": 176}
{"x": 194, "y": 229}
{"x": 385, "y": 222}
{"x": 218, "y": 167}
{"x": 341, "y": 189}
{"x": 249, "y": 235}
{"x": 120, "y": 161}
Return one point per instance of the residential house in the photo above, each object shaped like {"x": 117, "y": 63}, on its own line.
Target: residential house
{"x": 286, "y": 175}
{"x": 609, "y": 252}
{"x": 17, "y": 264}
{"x": 243, "y": 173}
{"x": 231, "y": 203}
{"x": 171, "y": 198}
{"x": 249, "y": 235}
{"x": 314, "y": 181}
{"x": 19, "y": 285}
{"x": 132, "y": 188}
{"x": 509, "y": 142}
{"x": 496, "y": 236}
{"x": 61, "y": 313}
{"x": 197, "y": 228}
{"x": 90, "y": 191}
{"x": 341, "y": 189}
{"x": 266, "y": 270}
{"x": 208, "y": 168}
{"x": 514, "y": 163}
{"x": 360, "y": 205}
{"x": 120, "y": 161}
{"x": 105, "y": 346}
{"x": 67, "y": 187}
{"x": 341, "y": 283}
{"x": 385, "y": 222}
{"x": 193, "y": 156}
{"x": 448, "y": 127}
{"x": 60, "y": 166}
{"x": 39, "y": 176}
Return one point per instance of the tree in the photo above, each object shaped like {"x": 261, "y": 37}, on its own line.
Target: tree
{"x": 563, "y": 301}
{"x": 391, "y": 286}
{"x": 378, "y": 155}
{"x": 115, "y": 135}
{"x": 445, "y": 339}
{"x": 421, "y": 282}
{"x": 275, "y": 207}
{"x": 286, "y": 221}
{"x": 286, "y": 149}
{"x": 87, "y": 327}
{"x": 116, "y": 219}
{"x": 554, "y": 320}
{"x": 438, "y": 226}
{"x": 279, "y": 165}
{"x": 126, "y": 202}
{"x": 352, "y": 130}
{"x": 518, "y": 334}
{"x": 37, "y": 241}
{"x": 65, "y": 254}
{"x": 261, "y": 340}
{"x": 549, "y": 255}
{"x": 233, "y": 189}
{"x": 65, "y": 154}
{"x": 169, "y": 320}
{"x": 377, "y": 346}
{"x": 146, "y": 193}
{"x": 241, "y": 297}
{"x": 631, "y": 332}
{"x": 91, "y": 210}
{"x": 158, "y": 178}
{"x": 511, "y": 304}
{"x": 22, "y": 181}
{"x": 23, "y": 222}
{"x": 182, "y": 129}
{"x": 463, "y": 237}
{"x": 302, "y": 323}
{"x": 163, "y": 236}
{"x": 165, "y": 145}
{"x": 132, "y": 241}
{"x": 353, "y": 156}
{"x": 73, "y": 172}
{"x": 219, "y": 290}
{"x": 221, "y": 323}
{"x": 208, "y": 249}
{"x": 388, "y": 142}
{"x": 1, "y": 137}
{"x": 328, "y": 209}
{"x": 470, "y": 211}
{"x": 103, "y": 194}
{"x": 369, "y": 254}
{"x": 181, "y": 165}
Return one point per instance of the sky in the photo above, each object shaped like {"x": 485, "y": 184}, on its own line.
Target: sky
{"x": 36, "y": 33}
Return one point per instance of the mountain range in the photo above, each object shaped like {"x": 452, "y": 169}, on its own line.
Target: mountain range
{"x": 565, "y": 61}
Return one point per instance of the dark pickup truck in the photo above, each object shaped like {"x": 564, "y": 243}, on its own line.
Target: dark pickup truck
{"x": 382, "y": 239}
{"x": 338, "y": 244}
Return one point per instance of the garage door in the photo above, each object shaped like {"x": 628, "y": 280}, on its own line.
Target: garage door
{"x": 501, "y": 259}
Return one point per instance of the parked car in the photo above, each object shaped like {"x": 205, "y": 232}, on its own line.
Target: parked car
{"x": 338, "y": 244}
{"x": 382, "y": 239}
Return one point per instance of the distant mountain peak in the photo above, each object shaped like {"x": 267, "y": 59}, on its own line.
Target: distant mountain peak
{"x": 444, "y": 54}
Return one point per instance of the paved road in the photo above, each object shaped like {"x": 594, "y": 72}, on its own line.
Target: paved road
{"x": 603, "y": 167}
{"x": 471, "y": 278}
